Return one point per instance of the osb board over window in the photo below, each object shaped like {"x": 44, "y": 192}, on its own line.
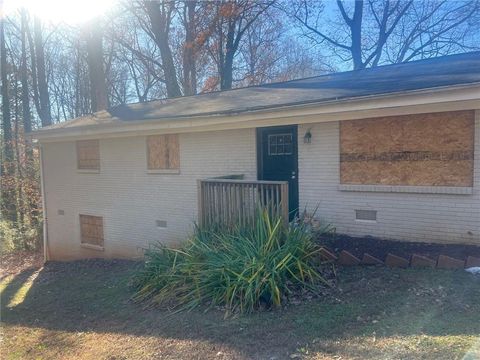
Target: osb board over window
{"x": 91, "y": 230}
{"x": 88, "y": 155}
{"x": 433, "y": 149}
{"x": 163, "y": 152}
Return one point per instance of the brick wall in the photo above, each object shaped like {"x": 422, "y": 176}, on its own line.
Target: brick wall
{"x": 420, "y": 216}
{"x": 132, "y": 201}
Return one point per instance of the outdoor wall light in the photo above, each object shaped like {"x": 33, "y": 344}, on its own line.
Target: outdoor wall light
{"x": 307, "y": 138}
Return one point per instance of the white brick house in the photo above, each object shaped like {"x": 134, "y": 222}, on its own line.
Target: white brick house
{"x": 117, "y": 180}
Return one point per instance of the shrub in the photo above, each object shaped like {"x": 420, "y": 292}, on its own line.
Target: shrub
{"x": 240, "y": 268}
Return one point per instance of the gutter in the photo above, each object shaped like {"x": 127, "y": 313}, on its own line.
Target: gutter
{"x": 46, "y": 256}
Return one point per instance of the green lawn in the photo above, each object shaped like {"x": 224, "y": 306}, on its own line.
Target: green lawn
{"x": 82, "y": 310}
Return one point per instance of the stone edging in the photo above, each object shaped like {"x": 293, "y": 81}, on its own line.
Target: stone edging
{"x": 346, "y": 258}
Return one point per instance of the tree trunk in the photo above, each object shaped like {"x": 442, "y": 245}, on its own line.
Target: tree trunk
{"x": 17, "y": 167}
{"x": 27, "y": 121}
{"x": 356, "y": 30}
{"x": 160, "y": 25}
{"x": 189, "y": 63}
{"x": 98, "y": 87}
{"x": 44, "y": 98}
{"x": 226, "y": 73}
{"x": 9, "y": 210}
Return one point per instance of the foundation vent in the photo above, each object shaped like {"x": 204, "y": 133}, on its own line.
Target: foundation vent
{"x": 161, "y": 223}
{"x": 366, "y": 215}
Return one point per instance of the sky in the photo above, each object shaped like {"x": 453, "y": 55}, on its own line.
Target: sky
{"x": 68, "y": 11}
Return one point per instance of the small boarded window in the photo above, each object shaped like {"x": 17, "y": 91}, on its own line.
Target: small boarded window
{"x": 163, "y": 152}
{"x": 88, "y": 155}
{"x": 91, "y": 230}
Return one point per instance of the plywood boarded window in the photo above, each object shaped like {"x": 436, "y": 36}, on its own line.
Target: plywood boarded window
{"x": 88, "y": 155}
{"x": 434, "y": 149}
{"x": 163, "y": 152}
{"x": 91, "y": 230}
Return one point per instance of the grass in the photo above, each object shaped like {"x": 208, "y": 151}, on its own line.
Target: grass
{"x": 82, "y": 310}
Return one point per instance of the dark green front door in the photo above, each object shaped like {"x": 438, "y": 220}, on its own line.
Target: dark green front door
{"x": 278, "y": 159}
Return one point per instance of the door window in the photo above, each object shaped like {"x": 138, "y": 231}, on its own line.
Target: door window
{"x": 280, "y": 144}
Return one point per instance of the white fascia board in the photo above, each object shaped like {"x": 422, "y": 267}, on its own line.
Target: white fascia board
{"x": 411, "y": 102}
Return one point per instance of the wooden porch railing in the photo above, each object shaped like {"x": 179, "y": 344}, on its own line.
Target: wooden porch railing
{"x": 228, "y": 202}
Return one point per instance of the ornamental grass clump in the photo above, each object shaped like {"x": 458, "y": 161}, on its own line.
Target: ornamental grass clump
{"x": 240, "y": 268}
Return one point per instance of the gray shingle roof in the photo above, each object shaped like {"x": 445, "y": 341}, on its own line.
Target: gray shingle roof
{"x": 423, "y": 74}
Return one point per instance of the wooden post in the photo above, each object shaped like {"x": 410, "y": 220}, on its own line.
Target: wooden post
{"x": 284, "y": 202}
{"x": 201, "y": 203}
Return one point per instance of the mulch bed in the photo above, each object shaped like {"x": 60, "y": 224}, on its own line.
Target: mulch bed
{"x": 380, "y": 248}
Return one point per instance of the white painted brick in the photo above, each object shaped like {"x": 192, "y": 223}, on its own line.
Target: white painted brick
{"x": 129, "y": 199}
{"x": 445, "y": 218}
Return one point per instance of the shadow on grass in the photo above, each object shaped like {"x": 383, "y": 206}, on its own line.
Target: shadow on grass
{"x": 12, "y": 287}
{"x": 94, "y": 296}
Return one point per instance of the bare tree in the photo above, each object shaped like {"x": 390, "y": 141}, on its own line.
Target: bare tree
{"x": 8, "y": 200}
{"x": 160, "y": 15}
{"x": 41, "y": 77}
{"x": 135, "y": 70}
{"x": 434, "y": 28}
{"x": 189, "y": 48}
{"x": 26, "y": 115}
{"x": 365, "y": 31}
{"x": 98, "y": 89}
{"x": 232, "y": 20}
{"x": 268, "y": 52}
{"x": 179, "y": 30}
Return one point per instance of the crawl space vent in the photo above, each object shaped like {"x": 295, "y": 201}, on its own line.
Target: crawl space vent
{"x": 368, "y": 215}
{"x": 161, "y": 223}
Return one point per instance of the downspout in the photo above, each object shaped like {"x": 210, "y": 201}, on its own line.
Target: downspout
{"x": 44, "y": 207}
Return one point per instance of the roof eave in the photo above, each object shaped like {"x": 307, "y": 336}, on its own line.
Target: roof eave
{"x": 465, "y": 93}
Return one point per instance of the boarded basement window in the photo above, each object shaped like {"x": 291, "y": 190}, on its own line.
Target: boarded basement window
{"x": 91, "y": 230}
{"x": 88, "y": 155}
{"x": 163, "y": 152}
{"x": 434, "y": 149}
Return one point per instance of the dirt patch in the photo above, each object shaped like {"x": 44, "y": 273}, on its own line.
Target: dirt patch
{"x": 380, "y": 248}
{"x": 18, "y": 261}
